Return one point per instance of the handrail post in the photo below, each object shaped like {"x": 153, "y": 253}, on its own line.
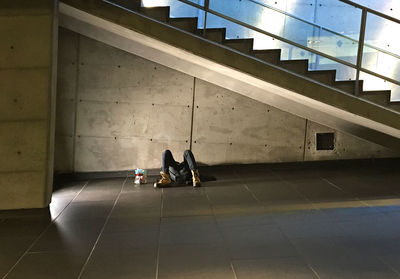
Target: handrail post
{"x": 360, "y": 49}
{"x": 206, "y": 7}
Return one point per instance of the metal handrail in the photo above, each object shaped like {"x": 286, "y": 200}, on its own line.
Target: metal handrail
{"x": 301, "y": 19}
{"x": 322, "y": 27}
{"x": 369, "y": 10}
{"x": 206, "y": 9}
{"x": 358, "y": 67}
{"x": 267, "y": 33}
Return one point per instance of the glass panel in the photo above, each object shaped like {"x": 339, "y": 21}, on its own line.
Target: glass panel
{"x": 322, "y": 12}
{"x": 383, "y": 34}
{"x": 382, "y": 63}
{"x": 287, "y": 27}
{"x": 178, "y": 9}
{"x": 388, "y": 7}
{"x": 288, "y": 52}
{"x": 338, "y": 17}
{"x": 373, "y": 83}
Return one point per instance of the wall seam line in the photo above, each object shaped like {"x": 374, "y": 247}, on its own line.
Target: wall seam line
{"x": 305, "y": 140}
{"x": 192, "y": 118}
{"x": 78, "y": 50}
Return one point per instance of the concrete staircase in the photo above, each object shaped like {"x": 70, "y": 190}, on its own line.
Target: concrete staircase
{"x": 234, "y": 64}
{"x": 327, "y": 77}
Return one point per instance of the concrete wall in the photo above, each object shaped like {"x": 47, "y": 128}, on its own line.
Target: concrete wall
{"x": 117, "y": 111}
{"x": 26, "y": 84}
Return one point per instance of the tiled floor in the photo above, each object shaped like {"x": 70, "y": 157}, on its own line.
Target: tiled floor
{"x": 263, "y": 221}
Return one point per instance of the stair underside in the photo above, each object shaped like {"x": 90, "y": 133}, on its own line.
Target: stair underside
{"x": 225, "y": 67}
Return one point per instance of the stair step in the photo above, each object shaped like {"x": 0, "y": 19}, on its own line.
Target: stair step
{"x": 378, "y": 97}
{"x": 242, "y": 45}
{"x": 269, "y": 55}
{"x": 297, "y": 66}
{"x": 185, "y": 23}
{"x": 133, "y": 5}
{"x": 213, "y": 34}
{"x": 325, "y": 76}
{"x": 158, "y": 13}
{"x": 395, "y": 105}
{"x": 348, "y": 86}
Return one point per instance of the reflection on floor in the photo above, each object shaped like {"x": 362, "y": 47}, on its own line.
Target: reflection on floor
{"x": 259, "y": 221}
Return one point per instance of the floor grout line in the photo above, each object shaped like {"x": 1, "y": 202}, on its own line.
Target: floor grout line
{"x": 43, "y": 232}
{"x": 233, "y": 270}
{"x": 251, "y": 192}
{"x": 332, "y": 184}
{"x": 389, "y": 266}
{"x": 159, "y": 234}
{"x": 297, "y": 251}
{"x": 339, "y": 188}
{"x": 101, "y": 231}
{"x": 222, "y": 236}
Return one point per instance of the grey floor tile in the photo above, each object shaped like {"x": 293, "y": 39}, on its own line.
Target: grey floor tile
{"x": 311, "y": 229}
{"x": 275, "y": 192}
{"x": 194, "y": 230}
{"x": 25, "y": 213}
{"x": 257, "y": 242}
{"x": 127, "y": 224}
{"x": 124, "y": 255}
{"x": 77, "y": 235}
{"x": 360, "y": 269}
{"x": 185, "y": 201}
{"x": 146, "y": 204}
{"x": 58, "y": 205}
{"x": 233, "y": 195}
{"x": 68, "y": 189}
{"x": 126, "y": 241}
{"x": 24, "y": 227}
{"x": 282, "y": 268}
{"x": 319, "y": 190}
{"x": 195, "y": 262}
{"x": 324, "y": 251}
{"x": 136, "y": 263}
{"x": 48, "y": 265}
{"x": 86, "y": 211}
{"x": 243, "y": 220}
{"x": 101, "y": 190}
{"x": 11, "y": 249}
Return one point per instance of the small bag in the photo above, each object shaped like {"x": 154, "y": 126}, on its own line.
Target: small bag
{"x": 181, "y": 175}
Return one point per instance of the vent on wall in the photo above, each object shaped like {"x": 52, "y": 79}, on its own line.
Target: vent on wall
{"x": 325, "y": 141}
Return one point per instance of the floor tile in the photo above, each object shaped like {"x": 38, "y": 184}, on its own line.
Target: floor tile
{"x": 362, "y": 269}
{"x": 195, "y": 262}
{"x": 274, "y": 192}
{"x": 194, "y": 230}
{"x": 127, "y": 224}
{"x": 243, "y": 220}
{"x": 185, "y": 201}
{"x": 126, "y": 241}
{"x": 232, "y": 195}
{"x": 23, "y": 227}
{"x": 282, "y": 268}
{"x": 77, "y": 235}
{"x": 11, "y": 249}
{"x": 86, "y": 211}
{"x": 137, "y": 263}
{"x": 48, "y": 265}
{"x": 101, "y": 190}
{"x": 257, "y": 242}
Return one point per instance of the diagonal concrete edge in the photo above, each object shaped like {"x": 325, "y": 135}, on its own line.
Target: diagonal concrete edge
{"x": 224, "y": 67}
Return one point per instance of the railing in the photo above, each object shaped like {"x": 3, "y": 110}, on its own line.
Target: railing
{"x": 353, "y": 57}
